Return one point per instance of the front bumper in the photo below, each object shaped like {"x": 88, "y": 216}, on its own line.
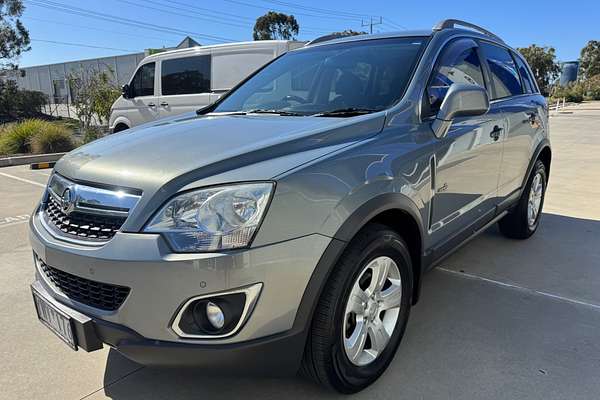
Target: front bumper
{"x": 277, "y": 355}
{"x": 162, "y": 281}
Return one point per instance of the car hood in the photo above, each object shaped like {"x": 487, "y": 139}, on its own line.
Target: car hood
{"x": 189, "y": 147}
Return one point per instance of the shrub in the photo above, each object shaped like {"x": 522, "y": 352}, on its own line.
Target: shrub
{"x": 91, "y": 133}
{"x": 593, "y": 88}
{"x": 16, "y": 137}
{"x": 56, "y": 138}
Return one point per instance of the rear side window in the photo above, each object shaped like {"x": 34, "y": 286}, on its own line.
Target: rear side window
{"x": 503, "y": 70}
{"x": 142, "y": 83}
{"x": 186, "y": 75}
{"x": 458, "y": 63}
{"x": 528, "y": 83}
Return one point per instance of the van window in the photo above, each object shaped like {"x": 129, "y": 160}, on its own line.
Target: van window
{"x": 186, "y": 75}
{"x": 528, "y": 81}
{"x": 458, "y": 63}
{"x": 142, "y": 83}
{"x": 505, "y": 77}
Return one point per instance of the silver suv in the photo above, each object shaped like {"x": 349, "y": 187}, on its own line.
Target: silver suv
{"x": 288, "y": 226}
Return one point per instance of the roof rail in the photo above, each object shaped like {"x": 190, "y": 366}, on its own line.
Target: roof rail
{"x": 453, "y": 23}
{"x": 325, "y": 38}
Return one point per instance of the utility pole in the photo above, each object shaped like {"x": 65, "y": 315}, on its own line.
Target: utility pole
{"x": 371, "y": 22}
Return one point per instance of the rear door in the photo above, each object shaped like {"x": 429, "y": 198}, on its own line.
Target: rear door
{"x": 515, "y": 94}
{"x": 142, "y": 106}
{"x": 184, "y": 83}
{"x": 467, "y": 161}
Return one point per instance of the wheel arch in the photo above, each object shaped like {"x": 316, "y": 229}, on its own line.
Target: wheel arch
{"x": 542, "y": 152}
{"x": 391, "y": 209}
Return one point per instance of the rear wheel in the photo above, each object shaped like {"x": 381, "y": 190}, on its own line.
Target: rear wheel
{"x": 362, "y": 313}
{"x": 523, "y": 220}
{"x": 120, "y": 127}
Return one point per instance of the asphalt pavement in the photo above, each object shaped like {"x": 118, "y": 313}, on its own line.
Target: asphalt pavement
{"x": 500, "y": 319}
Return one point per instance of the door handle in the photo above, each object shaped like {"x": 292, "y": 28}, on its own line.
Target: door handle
{"x": 151, "y": 105}
{"x": 495, "y": 133}
{"x": 164, "y": 104}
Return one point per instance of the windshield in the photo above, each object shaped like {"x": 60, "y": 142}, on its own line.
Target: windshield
{"x": 352, "y": 77}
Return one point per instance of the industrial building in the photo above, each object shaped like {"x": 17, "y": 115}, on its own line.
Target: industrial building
{"x": 51, "y": 79}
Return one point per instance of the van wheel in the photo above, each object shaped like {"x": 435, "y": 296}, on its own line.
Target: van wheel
{"x": 523, "y": 220}
{"x": 120, "y": 127}
{"x": 362, "y": 313}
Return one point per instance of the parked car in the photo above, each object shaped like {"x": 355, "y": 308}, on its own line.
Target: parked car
{"x": 288, "y": 226}
{"x": 178, "y": 81}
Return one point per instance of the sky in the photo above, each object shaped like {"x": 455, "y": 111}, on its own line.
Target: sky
{"x": 64, "y": 30}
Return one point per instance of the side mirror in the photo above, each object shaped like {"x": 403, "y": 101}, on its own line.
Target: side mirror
{"x": 126, "y": 91}
{"x": 460, "y": 101}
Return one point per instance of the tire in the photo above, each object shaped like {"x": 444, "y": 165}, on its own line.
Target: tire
{"x": 326, "y": 358}
{"x": 518, "y": 224}
{"x": 120, "y": 128}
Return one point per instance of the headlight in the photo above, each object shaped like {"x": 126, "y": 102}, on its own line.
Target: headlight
{"x": 224, "y": 217}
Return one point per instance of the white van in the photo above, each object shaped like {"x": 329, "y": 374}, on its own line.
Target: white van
{"x": 178, "y": 81}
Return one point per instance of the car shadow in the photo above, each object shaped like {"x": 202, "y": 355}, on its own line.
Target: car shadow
{"x": 457, "y": 319}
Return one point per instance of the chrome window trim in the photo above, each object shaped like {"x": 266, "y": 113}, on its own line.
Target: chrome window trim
{"x": 252, "y": 293}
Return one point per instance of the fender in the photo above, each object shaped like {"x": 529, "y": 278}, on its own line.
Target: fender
{"x": 357, "y": 220}
{"x": 545, "y": 143}
{"x": 120, "y": 120}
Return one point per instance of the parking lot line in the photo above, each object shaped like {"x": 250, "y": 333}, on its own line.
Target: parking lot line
{"x": 22, "y": 179}
{"x": 520, "y": 288}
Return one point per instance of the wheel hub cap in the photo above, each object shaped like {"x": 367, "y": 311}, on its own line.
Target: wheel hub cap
{"x": 535, "y": 199}
{"x": 372, "y": 311}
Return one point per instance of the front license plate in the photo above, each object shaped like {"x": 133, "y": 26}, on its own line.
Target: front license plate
{"x": 56, "y": 320}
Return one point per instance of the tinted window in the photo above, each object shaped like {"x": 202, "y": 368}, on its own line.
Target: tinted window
{"x": 526, "y": 78}
{"x": 505, "y": 77}
{"x": 370, "y": 74}
{"x": 186, "y": 75}
{"x": 143, "y": 81}
{"x": 459, "y": 63}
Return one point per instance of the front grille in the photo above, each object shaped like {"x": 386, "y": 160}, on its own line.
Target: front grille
{"x": 94, "y": 294}
{"x": 82, "y": 226}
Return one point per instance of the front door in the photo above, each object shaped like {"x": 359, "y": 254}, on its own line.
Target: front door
{"x": 142, "y": 106}
{"x": 466, "y": 164}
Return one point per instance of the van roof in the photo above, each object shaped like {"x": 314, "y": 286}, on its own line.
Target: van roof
{"x": 248, "y": 44}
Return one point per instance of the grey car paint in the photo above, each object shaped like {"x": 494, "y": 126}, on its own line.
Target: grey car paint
{"x": 326, "y": 170}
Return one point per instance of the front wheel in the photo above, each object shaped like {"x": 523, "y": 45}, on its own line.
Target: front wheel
{"x": 362, "y": 313}
{"x": 523, "y": 220}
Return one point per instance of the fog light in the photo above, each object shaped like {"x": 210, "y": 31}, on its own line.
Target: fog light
{"x": 215, "y": 315}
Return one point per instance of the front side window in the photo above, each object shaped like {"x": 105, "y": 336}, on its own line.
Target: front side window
{"x": 186, "y": 75}
{"x": 458, "y": 63}
{"x": 526, "y": 78}
{"x": 369, "y": 75}
{"x": 142, "y": 83}
{"x": 503, "y": 70}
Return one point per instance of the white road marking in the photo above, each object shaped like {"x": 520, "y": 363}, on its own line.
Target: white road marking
{"x": 22, "y": 179}
{"x": 520, "y": 288}
{"x": 5, "y": 222}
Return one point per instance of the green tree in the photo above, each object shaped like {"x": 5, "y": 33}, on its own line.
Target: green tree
{"x": 274, "y": 25}
{"x": 542, "y": 61}
{"x": 93, "y": 92}
{"x": 590, "y": 59}
{"x": 14, "y": 38}
{"x": 348, "y": 32}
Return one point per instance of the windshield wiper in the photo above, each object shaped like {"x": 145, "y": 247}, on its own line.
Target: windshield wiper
{"x": 278, "y": 112}
{"x": 346, "y": 112}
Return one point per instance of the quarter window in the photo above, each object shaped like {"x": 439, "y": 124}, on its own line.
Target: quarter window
{"x": 142, "y": 83}
{"x": 459, "y": 63}
{"x": 526, "y": 78}
{"x": 187, "y": 75}
{"x": 503, "y": 70}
